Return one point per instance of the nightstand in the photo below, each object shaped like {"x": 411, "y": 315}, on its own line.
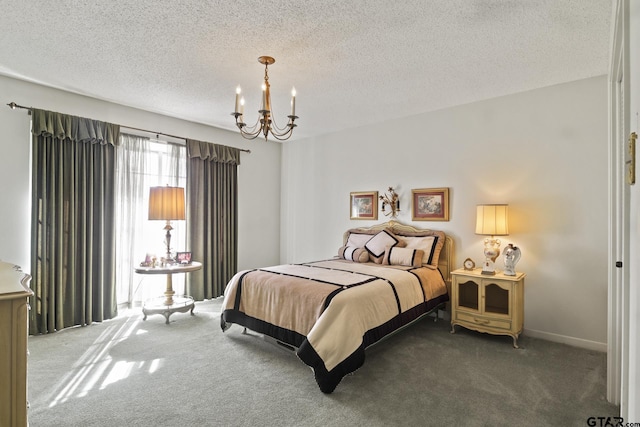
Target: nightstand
{"x": 489, "y": 304}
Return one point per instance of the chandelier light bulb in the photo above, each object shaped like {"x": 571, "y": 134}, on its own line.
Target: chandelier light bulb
{"x": 293, "y": 101}
{"x": 238, "y": 90}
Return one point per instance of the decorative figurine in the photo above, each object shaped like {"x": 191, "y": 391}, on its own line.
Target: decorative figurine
{"x": 511, "y": 257}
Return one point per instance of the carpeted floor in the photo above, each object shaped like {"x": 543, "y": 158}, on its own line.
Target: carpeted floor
{"x": 144, "y": 373}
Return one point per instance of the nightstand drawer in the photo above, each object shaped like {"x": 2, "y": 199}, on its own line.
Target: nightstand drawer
{"x": 483, "y": 321}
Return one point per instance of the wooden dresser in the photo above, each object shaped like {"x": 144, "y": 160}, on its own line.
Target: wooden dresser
{"x": 14, "y": 312}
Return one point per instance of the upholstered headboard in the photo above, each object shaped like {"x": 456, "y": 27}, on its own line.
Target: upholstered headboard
{"x": 446, "y": 260}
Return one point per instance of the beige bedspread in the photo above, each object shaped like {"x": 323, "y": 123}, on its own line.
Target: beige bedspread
{"x": 330, "y": 308}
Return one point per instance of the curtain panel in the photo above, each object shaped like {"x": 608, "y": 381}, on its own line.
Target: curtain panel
{"x": 140, "y": 164}
{"x": 72, "y": 221}
{"x": 212, "y": 220}
{"x": 131, "y": 169}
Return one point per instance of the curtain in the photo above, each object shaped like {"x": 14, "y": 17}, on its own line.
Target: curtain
{"x": 142, "y": 163}
{"x": 131, "y": 165}
{"x": 72, "y": 223}
{"x": 212, "y": 220}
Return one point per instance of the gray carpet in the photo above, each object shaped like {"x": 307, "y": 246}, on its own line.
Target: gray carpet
{"x": 144, "y": 373}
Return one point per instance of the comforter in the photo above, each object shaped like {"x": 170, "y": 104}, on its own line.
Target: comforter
{"x": 331, "y": 310}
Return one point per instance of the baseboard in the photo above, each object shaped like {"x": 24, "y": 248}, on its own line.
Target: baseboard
{"x": 563, "y": 339}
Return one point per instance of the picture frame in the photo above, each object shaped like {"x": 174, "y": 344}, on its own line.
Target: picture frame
{"x": 364, "y": 205}
{"x": 183, "y": 257}
{"x": 430, "y": 204}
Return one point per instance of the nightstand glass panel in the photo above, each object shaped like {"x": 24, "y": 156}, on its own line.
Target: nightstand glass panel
{"x": 496, "y": 299}
{"x": 468, "y": 295}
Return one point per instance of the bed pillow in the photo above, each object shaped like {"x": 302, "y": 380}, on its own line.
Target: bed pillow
{"x": 359, "y": 238}
{"x": 380, "y": 243}
{"x": 403, "y": 256}
{"x": 431, "y": 242}
{"x": 351, "y": 253}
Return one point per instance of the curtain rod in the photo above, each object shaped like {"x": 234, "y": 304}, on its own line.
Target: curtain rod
{"x": 13, "y": 106}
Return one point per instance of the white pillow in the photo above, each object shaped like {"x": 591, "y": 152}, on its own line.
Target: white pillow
{"x": 403, "y": 256}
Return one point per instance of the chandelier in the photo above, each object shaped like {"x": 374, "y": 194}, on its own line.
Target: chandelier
{"x": 265, "y": 125}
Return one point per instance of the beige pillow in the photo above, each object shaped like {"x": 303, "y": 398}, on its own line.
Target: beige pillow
{"x": 403, "y": 256}
{"x": 351, "y": 253}
{"x": 429, "y": 241}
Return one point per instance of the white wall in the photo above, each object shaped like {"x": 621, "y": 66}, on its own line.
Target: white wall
{"x": 544, "y": 152}
{"x": 259, "y": 172}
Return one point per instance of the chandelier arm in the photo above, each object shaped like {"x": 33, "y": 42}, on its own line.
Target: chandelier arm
{"x": 256, "y": 127}
{"x": 249, "y": 132}
{"x": 250, "y": 129}
{"x": 290, "y": 125}
{"x": 249, "y": 136}
{"x": 284, "y": 136}
{"x": 279, "y": 129}
{"x": 279, "y": 133}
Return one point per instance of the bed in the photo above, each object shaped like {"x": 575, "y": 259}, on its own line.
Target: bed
{"x": 382, "y": 279}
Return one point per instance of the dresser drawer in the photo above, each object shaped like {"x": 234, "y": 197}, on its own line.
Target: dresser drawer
{"x": 483, "y": 321}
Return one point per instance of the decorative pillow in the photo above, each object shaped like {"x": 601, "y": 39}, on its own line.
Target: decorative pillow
{"x": 430, "y": 241}
{"x": 379, "y": 243}
{"x": 351, "y": 253}
{"x": 403, "y": 256}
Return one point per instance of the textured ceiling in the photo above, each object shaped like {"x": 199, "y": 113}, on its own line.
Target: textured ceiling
{"x": 352, "y": 63}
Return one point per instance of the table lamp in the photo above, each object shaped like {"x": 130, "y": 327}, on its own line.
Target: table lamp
{"x": 166, "y": 203}
{"x": 492, "y": 220}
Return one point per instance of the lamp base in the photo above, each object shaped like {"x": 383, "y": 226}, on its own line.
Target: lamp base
{"x": 491, "y": 252}
{"x": 167, "y": 240}
{"x": 489, "y": 268}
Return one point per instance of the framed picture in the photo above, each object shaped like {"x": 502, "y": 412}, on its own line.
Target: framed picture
{"x": 183, "y": 257}
{"x": 430, "y": 204}
{"x": 364, "y": 205}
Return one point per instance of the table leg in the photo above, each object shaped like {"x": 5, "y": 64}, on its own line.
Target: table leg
{"x": 168, "y": 293}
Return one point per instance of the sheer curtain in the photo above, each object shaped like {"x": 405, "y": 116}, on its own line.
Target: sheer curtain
{"x": 72, "y": 227}
{"x": 142, "y": 163}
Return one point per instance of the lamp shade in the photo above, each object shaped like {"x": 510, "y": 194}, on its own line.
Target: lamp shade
{"x": 166, "y": 203}
{"x": 492, "y": 220}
